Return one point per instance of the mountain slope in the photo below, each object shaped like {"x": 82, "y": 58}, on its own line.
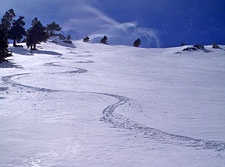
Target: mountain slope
{"x": 99, "y": 105}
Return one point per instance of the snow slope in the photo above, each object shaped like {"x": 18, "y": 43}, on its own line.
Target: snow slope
{"x": 99, "y": 105}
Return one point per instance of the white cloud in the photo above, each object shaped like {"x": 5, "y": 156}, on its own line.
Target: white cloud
{"x": 94, "y": 23}
{"x": 82, "y": 17}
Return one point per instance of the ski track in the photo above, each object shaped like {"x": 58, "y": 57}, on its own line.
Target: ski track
{"x": 52, "y": 64}
{"x": 84, "y": 55}
{"x": 62, "y": 57}
{"x": 85, "y": 62}
{"x": 78, "y": 70}
{"x": 119, "y": 121}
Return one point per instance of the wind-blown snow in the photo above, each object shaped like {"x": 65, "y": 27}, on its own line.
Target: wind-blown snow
{"x": 99, "y": 105}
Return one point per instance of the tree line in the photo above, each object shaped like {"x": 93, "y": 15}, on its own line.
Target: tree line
{"x": 13, "y": 29}
{"x": 103, "y": 40}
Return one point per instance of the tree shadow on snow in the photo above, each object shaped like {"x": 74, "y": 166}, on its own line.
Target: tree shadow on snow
{"x": 21, "y": 51}
{"x": 63, "y": 43}
{"x": 8, "y": 64}
{"x": 27, "y": 52}
{"x": 3, "y": 89}
{"x": 46, "y": 52}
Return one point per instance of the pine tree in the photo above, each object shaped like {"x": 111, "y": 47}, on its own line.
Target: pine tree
{"x": 36, "y": 34}
{"x": 104, "y": 40}
{"x": 51, "y": 28}
{"x": 86, "y": 39}
{"x": 7, "y": 19}
{"x": 17, "y": 30}
{"x": 4, "y": 52}
{"x": 68, "y": 37}
{"x": 137, "y": 43}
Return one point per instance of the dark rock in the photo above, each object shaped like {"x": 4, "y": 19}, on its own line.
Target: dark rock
{"x": 215, "y": 46}
{"x": 199, "y": 46}
{"x": 190, "y": 49}
{"x": 68, "y": 41}
{"x": 196, "y": 48}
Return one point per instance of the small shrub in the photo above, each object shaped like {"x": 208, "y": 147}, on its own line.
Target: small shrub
{"x": 215, "y": 46}
{"x": 86, "y": 39}
{"x": 104, "y": 40}
{"x": 137, "y": 43}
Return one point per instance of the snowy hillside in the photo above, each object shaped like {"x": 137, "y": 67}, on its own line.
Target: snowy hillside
{"x": 112, "y": 106}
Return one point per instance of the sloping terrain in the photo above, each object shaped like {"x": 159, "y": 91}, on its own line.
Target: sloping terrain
{"x": 99, "y": 105}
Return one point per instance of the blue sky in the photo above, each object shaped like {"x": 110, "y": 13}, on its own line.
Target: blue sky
{"x": 159, "y": 23}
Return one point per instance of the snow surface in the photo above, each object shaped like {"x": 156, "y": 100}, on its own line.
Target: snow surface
{"x": 98, "y": 105}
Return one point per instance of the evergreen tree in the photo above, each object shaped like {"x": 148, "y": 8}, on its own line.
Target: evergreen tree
{"x": 7, "y": 19}
{"x": 36, "y": 34}
{"x": 137, "y": 43}
{"x": 51, "y": 28}
{"x": 68, "y": 38}
{"x": 215, "y": 46}
{"x": 86, "y": 39}
{"x": 17, "y": 30}
{"x": 4, "y": 52}
{"x": 104, "y": 40}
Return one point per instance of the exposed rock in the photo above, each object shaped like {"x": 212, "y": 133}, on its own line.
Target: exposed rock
{"x": 199, "y": 46}
{"x": 68, "y": 41}
{"x": 190, "y": 49}
{"x": 215, "y": 46}
{"x": 196, "y": 48}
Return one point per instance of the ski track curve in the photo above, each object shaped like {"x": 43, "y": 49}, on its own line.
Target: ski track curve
{"x": 86, "y": 55}
{"x": 85, "y": 62}
{"x": 54, "y": 64}
{"x": 78, "y": 70}
{"x": 119, "y": 121}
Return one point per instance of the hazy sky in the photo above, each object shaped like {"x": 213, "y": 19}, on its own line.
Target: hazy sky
{"x": 159, "y": 23}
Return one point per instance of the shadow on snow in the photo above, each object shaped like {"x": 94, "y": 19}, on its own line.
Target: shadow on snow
{"x": 8, "y": 64}
{"x": 23, "y": 51}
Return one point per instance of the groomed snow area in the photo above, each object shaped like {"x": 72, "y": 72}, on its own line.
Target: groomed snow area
{"x": 93, "y": 105}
